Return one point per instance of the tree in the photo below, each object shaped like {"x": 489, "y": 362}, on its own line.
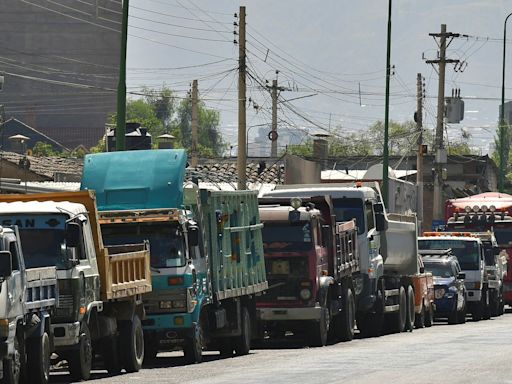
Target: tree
{"x": 402, "y": 137}
{"x": 163, "y": 105}
{"x": 140, "y": 111}
{"x": 350, "y": 145}
{"x": 461, "y": 146}
{"x": 41, "y": 149}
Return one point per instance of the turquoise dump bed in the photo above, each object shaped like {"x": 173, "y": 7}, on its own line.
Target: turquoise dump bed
{"x": 233, "y": 230}
{"x": 136, "y": 179}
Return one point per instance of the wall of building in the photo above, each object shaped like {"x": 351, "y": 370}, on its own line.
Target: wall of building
{"x": 43, "y": 45}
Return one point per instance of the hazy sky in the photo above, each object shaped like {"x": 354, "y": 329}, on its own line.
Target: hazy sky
{"x": 334, "y": 49}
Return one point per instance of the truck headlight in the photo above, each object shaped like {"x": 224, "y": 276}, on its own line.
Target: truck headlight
{"x": 178, "y": 304}
{"x": 305, "y": 294}
{"x": 165, "y": 304}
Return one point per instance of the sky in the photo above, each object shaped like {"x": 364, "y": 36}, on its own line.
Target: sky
{"x": 331, "y": 56}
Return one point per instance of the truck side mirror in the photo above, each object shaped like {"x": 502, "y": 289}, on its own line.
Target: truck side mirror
{"x": 72, "y": 235}
{"x": 461, "y": 276}
{"x": 5, "y": 264}
{"x": 381, "y": 224}
{"x": 422, "y": 269}
{"x": 193, "y": 236}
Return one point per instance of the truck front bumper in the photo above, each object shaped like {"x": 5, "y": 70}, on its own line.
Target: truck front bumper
{"x": 289, "y": 314}
{"x": 445, "y": 306}
{"x": 167, "y": 331}
{"x": 66, "y": 335}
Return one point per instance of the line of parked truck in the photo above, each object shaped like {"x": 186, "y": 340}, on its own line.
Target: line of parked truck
{"x": 141, "y": 261}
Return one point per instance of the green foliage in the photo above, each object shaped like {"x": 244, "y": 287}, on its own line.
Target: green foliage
{"x": 100, "y": 147}
{"x": 461, "y": 146}
{"x": 402, "y": 137}
{"x": 41, "y": 149}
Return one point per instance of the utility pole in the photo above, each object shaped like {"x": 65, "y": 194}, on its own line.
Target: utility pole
{"x": 274, "y": 135}
{"x": 419, "y": 155}
{"x": 503, "y": 128}
{"x": 440, "y": 156}
{"x": 242, "y": 133}
{"x": 385, "y": 152}
{"x": 121, "y": 86}
{"x": 194, "y": 125}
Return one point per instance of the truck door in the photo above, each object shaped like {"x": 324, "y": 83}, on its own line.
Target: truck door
{"x": 87, "y": 269}
{"x": 375, "y": 260}
{"x": 16, "y": 284}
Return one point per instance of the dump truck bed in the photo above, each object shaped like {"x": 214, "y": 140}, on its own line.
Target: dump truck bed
{"x": 124, "y": 271}
{"x": 399, "y": 245}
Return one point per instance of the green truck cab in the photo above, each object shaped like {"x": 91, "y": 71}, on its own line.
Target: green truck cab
{"x": 206, "y": 249}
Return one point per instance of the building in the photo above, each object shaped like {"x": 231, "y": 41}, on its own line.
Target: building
{"x": 14, "y": 127}
{"x": 61, "y": 64}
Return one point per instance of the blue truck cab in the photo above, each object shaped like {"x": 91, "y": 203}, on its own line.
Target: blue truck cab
{"x": 206, "y": 249}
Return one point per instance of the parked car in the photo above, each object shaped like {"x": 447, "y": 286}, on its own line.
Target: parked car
{"x": 450, "y": 292}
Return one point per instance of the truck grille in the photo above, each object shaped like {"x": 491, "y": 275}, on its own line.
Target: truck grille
{"x": 171, "y": 301}
{"x": 66, "y": 305}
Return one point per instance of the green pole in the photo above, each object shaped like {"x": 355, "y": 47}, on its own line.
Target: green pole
{"x": 503, "y": 129}
{"x": 121, "y": 86}
{"x": 385, "y": 160}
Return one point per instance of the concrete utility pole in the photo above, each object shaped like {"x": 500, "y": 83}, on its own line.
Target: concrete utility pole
{"x": 441, "y": 156}
{"x": 121, "y": 86}
{"x": 385, "y": 152}
{"x": 273, "y": 135}
{"x": 419, "y": 155}
{"x": 242, "y": 133}
{"x": 193, "y": 160}
{"x": 503, "y": 129}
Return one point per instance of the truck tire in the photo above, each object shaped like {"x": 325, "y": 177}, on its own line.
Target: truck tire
{"x": 150, "y": 352}
{"x": 411, "y": 313}
{"x": 429, "y": 316}
{"x": 14, "y": 368}
{"x": 242, "y": 344}
{"x": 80, "y": 360}
{"x": 111, "y": 354}
{"x": 461, "y": 315}
{"x": 486, "y": 304}
{"x": 132, "y": 344}
{"x": 193, "y": 348}
{"x": 317, "y": 335}
{"x": 344, "y": 323}
{"x": 453, "y": 316}
{"x": 38, "y": 359}
{"x": 372, "y": 324}
{"x": 419, "y": 321}
{"x": 396, "y": 321}
{"x": 477, "y": 311}
{"x": 226, "y": 347}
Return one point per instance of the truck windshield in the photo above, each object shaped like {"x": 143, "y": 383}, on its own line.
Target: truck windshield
{"x": 439, "y": 269}
{"x": 166, "y": 241}
{"x": 42, "y": 239}
{"x": 503, "y": 236}
{"x": 467, "y": 252}
{"x": 287, "y": 237}
{"x": 348, "y": 209}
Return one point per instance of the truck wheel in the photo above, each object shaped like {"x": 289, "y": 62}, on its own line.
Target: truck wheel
{"x": 111, "y": 355}
{"x": 226, "y": 347}
{"x": 150, "y": 352}
{"x": 396, "y": 321}
{"x": 453, "y": 316}
{"x": 486, "y": 314}
{"x": 419, "y": 321}
{"x": 344, "y": 323}
{"x": 372, "y": 324}
{"x": 80, "y": 360}
{"x": 38, "y": 359}
{"x": 14, "y": 368}
{"x": 193, "y": 348}
{"x": 411, "y": 313}
{"x": 243, "y": 342}
{"x": 461, "y": 315}
{"x": 132, "y": 344}
{"x": 477, "y": 311}
{"x": 319, "y": 330}
{"x": 429, "y": 316}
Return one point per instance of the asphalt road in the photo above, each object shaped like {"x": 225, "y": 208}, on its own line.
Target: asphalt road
{"x": 475, "y": 352}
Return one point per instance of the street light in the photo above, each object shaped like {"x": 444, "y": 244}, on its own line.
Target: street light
{"x": 503, "y": 159}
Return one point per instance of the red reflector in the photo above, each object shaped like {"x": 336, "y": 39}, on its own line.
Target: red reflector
{"x": 175, "y": 280}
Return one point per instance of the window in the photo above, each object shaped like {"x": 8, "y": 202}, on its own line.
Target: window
{"x": 13, "y": 248}
{"x": 368, "y": 210}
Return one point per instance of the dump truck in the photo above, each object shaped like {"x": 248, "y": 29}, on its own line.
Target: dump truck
{"x": 28, "y": 295}
{"x": 100, "y": 308}
{"x": 388, "y": 256}
{"x": 206, "y": 249}
{"x": 310, "y": 262}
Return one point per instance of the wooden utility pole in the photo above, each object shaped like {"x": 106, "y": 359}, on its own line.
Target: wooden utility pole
{"x": 441, "y": 156}
{"x": 193, "y": 161}
{"x": 419, "y": 155}
{"x": 274, "y": 89}
{"x": 242, "y": 133}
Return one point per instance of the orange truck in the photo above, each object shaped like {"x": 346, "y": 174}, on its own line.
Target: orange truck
{"x": 423, "y": 283}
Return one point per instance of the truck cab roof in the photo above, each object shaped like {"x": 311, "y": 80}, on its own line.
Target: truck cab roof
{"x": 282, "y": 213}
{"x": 42, "y": 207}
{"x": 334, "y": 190}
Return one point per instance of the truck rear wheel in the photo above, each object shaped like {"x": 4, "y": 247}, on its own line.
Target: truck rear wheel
{"x": 411, "y": 313}
{"x": 38, "y": 359}
{"x": 132, "y": 344}
{"x": 344, "y": 323}
{"x": 319, "y": 330}
{"x": 396, "y": 321}
{"x": 14, "y": 367}
{"x": 80, "y": 360}
{"x": 243, "y": 342}
{"x": 193, "y": 348}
